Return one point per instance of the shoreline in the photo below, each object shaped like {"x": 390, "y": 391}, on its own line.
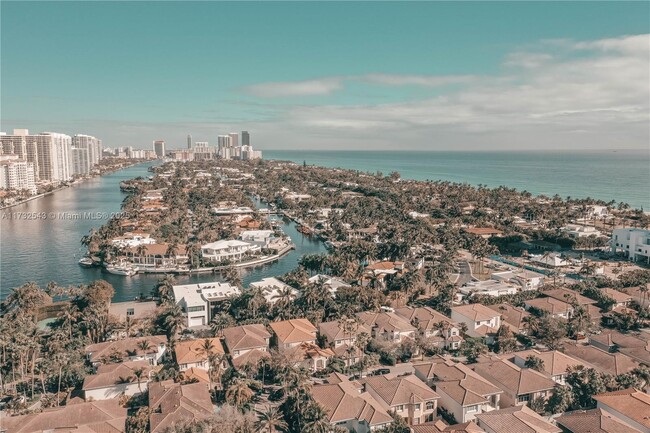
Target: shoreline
{"x": 77, "y": 182}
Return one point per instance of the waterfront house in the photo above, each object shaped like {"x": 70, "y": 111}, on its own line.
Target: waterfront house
{"x": 199, "y": 300}
{"x": 482, "y": 322}
{"x": 292, "y": 333}
{"x": 516, "y": 419}
{"x": 162, "y": 255}
{"x": 629, "y": 405}
{"x": 349, "y": 408}
{"x": 133, "y": 239}
{"x": 407, "y": 396}
{"x": 332, "y": 283}
{"x": 232, "y": 251}
{"x": 388, "y": 326}
{"x": 271, "y": 288}
{"x": 172, "y": 403}
{"x": 435, "y": 326}
{"x": 463, "y": 392}
{"x": 150, "y": 348}
{"x": 261, "y": 237}
{"x": 193, "y": 354}
{"x": 133, "y": 310}
{"x": 113, "y": 380}
{"x": 519, "y": 385}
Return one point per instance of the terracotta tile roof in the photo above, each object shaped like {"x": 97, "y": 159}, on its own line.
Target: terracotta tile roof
{"x": 250, "y": 357}
{"x": 307, "y": 350}
{"x": 342, "y": 402}
{"x": 386, "y": 322}
{"x": 476, "y": 312}
{"x": 555, "y": 363}
{"x": 440, "y": 427}
{"x": 481, "y": 231}
{"x": 612, "y": 363}
{"x": 173, "y": 402}
{"x": 199, "y": 374}
{"x": 103, "y": 416}
{"x": 114, "y": 374}
{"x": 398, "y": 390}
{"x": 593, "y": 421}
{"x": 127, "y": 347}
{"x": 246, "y": 337}
{"x": 158, "y": 250}
{"x": 568, "y": 296}
{"x": 191, "y": 351}
{"x": 508, "y": 377}
{"x": 381, "y": 266}
{"x": 427, "y": 318}
{"x": 617, "y": 296}
{"x": 518, "y": 419}
{"x": 551, "y": 305}
{"x": 512, "y": 316}
{"x": 333, "y": 331}
{"x": 463, "y": 385}
{"x": 629, "y": 402}
{"x": 294, "y": 330}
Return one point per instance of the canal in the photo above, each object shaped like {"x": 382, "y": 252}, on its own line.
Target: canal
{"x": 40, "y": 240}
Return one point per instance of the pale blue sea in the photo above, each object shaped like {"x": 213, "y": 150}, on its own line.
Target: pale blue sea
{"x": 623, "y": 176}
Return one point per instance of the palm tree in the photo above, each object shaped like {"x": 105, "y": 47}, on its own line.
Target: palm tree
{"x": 138, "y": 373}
{"x": 174, "y": 321}
{"x": 206, "y": 349}
{"x": 270, "y": 420}
{"x": 239, "y": 393}
{"x": 317, "y": 420}
{"x": 144, "y": 345}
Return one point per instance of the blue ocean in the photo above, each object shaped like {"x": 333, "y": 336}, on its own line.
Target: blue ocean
{"x": 622, "y": 175}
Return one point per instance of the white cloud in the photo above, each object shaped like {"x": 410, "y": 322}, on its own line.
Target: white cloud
{"x": 600, "y": 88}
{"x": 323, "y": 86}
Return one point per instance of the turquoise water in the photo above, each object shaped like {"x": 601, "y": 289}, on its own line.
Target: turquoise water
{"x": 623, "y": 176}
{"x": 44, "y": 250}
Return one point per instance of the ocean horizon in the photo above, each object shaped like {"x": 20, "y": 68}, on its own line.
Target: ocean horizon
{"x": 619, "y": 175}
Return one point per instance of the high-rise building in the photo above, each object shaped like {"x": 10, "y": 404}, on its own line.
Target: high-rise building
{"x": 21, "y": 144}
{"x": 86, "y": 152}
{"x": 245, "y": 138}
{"x": 159, "y": 148}
{"x": 189, "y": 141}
{"x": 224, "y": 146}
{"x": 54, "y": 156}
{"x": 234, "y": 139}
{"x": 17, "y": 174}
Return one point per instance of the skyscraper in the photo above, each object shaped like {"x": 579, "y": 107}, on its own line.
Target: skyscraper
{"x": 189, "y": 141}
{"x": 86, "y": 152}
{"x": 54, "y": 156}
{"x": 159, "y": 148}
{"x": 234, "y": 139}
{"x": 245, "y": 138}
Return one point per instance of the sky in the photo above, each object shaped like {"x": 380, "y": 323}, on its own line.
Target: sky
{"x": 331, "y": 75}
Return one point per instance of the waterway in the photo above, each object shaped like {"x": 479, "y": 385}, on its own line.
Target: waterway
{"x": 40, "y": 240}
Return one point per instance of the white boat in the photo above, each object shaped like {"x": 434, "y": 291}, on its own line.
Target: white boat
{"x": 120, "y": 270}
{"x": 86, "y": 262}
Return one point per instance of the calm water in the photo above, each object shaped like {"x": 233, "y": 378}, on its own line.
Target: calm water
{"x": 44, "y": 250}
{"x": 623, "y": 176}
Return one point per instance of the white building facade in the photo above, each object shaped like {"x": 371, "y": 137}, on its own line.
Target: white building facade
{"x": 634, "y": 243}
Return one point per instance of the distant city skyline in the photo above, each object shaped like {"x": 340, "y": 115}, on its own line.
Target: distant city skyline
{"x": 389, "y": 76}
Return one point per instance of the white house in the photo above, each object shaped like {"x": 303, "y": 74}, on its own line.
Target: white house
{"x": 150, "y": 348}
{"x": 528, "y": 280}
{"x": 197, "y": 300}
{"x": 333, "y": 283}
{"x": 552, "y": 260}
{"x": 258, "y": 236}
{"x": 113, "y": 380}
{"x": 486, "y": 288}
{"x": 634, "y": 243}
{"x": 272, "y": 287}
{"x": 230, "y": 250}
{"x": 580, "y": 231}
{"x": 481, "y": 321}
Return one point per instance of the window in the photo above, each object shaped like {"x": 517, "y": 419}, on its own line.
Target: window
{"x": 523, "y": 398}
{"x": 417, "y": 406}
{"x": 399, "y": 408}
{"x": 472, "y": 409}
{"x": 130, "y": 312}
{"x": 429, "y": 405}
{"x": 197, "y": 308}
